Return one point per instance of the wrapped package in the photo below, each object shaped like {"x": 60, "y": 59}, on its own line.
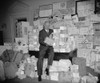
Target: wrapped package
{"x": 25, "y": 68}
{"x": 54, "y": 76}
{"x": 82, "y": 65}
{"x": 74, "y": 68}
{"x": 64, "y": 65}
{"x": 10, "y": 69}
{"x": 45, "y": 76}
{"x": 22, "y": 76}
{"x": 54, "y": 67}
{"x": 18, "y": 57}
{"x": 20, "y": 73}
{"x": 49, "y": 41}
{"x": 32, "y": 74}
{"x": 34, "y": 61}
{"x": 25, "y": 56}
{"x": 65, "y": 77}
{"x": 29, "y": 70}
{"x": 76, "y": 80}
{"x": 89, "y": 79}
{"x": 24, "y": 23}
{"x": 75, "y": 77}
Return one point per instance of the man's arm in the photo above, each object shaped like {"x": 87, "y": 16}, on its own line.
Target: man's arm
{"x": 51, "y": 33}
{"x": 41, "y": 39}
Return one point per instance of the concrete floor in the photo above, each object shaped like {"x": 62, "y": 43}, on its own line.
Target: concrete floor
{"x": 28, "y": 80}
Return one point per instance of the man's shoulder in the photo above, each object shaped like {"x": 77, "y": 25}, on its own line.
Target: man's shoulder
{"x": 42, "y": 31}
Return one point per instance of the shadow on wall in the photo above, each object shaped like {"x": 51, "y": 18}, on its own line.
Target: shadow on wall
{"x": 1, "y": 38}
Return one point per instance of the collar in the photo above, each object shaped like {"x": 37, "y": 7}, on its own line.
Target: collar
{"x": 47, "y": 30}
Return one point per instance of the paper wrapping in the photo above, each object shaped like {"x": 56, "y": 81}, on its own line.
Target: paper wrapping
{"x": 49, "y": 41}
{"x": 67, "y": 17}
{"x": 94, "y": 18}
{"x": 75, "y": 18}
{"x": 97, "y": 67}
{"x": 74, "y": 68}
{"x": 65, "y": 77}
{"x": 62, "y": 64}
{"x": 81, "y": 62}
{"x": 89, "y": 79}
{"x": 63, "y": 50}
{"x": 75, "y": 80}
{"x": 56, "y": 49}
{"x": 83, "y": 52}
{"x": 27, "y": 67}
{"x": 54, "y": 76}
{"x": 73, "y": 30}
{"x": 61, "y": 5}
{"x": 63, "y": 28}
{"x": 54, "y": 67}
{"x": 45, "y": 76}
{"x": 22, "y": 76}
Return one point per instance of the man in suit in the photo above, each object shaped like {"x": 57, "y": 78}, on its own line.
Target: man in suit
{"x": 45, "y": 32}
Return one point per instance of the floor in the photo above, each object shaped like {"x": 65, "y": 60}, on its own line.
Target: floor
{"x": 28, "y": 80}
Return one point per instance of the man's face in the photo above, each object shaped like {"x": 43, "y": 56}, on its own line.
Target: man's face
{"x": 47, "y": 25}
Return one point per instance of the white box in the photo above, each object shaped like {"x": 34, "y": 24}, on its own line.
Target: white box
{"x": 54, "y": 76}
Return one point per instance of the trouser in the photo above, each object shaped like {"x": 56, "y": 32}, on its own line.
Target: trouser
{"x": 42, "y": 52}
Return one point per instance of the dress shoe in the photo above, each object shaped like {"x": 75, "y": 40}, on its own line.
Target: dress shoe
{"x": 39, "y": 78}
{"x": 47, "y": 71}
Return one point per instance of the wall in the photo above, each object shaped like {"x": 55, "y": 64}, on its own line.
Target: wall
{"x": 21, "y": 8}
{"x": 16, "y": 10}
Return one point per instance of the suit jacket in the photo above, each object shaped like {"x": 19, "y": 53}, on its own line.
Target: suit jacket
{"x": 42, "y": 35}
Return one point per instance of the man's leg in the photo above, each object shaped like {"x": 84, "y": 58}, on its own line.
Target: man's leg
{"x": 50, "y": 59}
{"x": 40, "y": 62}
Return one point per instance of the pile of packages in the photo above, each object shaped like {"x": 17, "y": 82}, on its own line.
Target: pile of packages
{"x": 63, "y": 71}
{"x": 9, "y": 61}
{"x": 23, "y": 66}
{"x": 33, "y": 39}
{"x": 27, "y": 67}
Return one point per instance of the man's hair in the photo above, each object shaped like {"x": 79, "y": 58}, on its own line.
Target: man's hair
{"x": 45, "y": 23}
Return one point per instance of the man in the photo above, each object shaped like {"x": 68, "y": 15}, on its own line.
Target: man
{"x": 43, "y": 34}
